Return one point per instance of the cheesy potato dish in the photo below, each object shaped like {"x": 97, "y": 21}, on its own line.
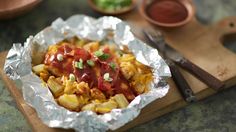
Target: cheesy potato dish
{"x": 87, "y": 75}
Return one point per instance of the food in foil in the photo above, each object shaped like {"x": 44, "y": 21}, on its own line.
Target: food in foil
{"x": 92, "y": 75}
{"x": 94, "y": 66}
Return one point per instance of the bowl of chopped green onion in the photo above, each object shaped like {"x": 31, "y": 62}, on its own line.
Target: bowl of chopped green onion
{"x": 112, "y": 7}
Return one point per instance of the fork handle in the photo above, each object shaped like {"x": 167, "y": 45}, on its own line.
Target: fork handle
{"x": 201, "y": 74}
{"x": 181, "y": 83}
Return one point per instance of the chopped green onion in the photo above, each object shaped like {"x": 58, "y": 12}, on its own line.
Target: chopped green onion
{"x": 72, "y": 77}
{"x": 90, "y": 63}
{"x": 101, "y": 55}
{"x": 104, "y": 56}
{"x": 112, "y": 5}
{"x": 79, "y": 64}
{"x": 113, "y": 65}
{"x": 98, "y": 53}
{"x": 60, "y": 57}
{"x": 107, "y": 78}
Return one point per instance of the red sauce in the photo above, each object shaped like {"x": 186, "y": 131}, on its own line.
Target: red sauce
{"x": 167, "y": 11}
{"x": 91, "y": 75}
{"x": 122, "y": 86}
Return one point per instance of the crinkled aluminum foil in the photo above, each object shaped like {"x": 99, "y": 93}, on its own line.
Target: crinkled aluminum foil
{"x": 18, "y": 66}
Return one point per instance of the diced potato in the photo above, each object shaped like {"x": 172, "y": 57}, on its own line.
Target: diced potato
{"x": 83, "y": 89}
{"x": 70, "y": 87}
{"x": 121, "y": 100}
{"x": 127, "y": 69}
{"x": 96, "y": 101}
{"x": 44, "y": 76}
{"x": 97, "y": 94}
{"x": 106, "y": 107}
{"x": 69, "y": 101}
{"x": 38, "y": 68}
{"x": 55, "y": 86}
{"x": 139, "y": 88}
{"x": 92, "y": 46}
{"x": 64, "y": 79}
{"x": 127, "y": 58}
{"x": 53, "y": 70}
{"x": 140, "y": 82}
{"x": 90, "y": 106}
{"x": 82, "y": 100}
{"x": 52, "y": 49}
{"x": 80, "y": 43}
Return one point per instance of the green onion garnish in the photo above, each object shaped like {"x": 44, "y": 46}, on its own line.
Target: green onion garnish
{"x": 90, "y": 63}
{"x": 107, "y": 78}
{"x": 79, "y": 64}
{"x": 100, "y": 54}
{"x": 72, "y": 77}
{"x": 112, "y": 65}
{"x": 59, "y": 57}
{"x": 104, "y": 56}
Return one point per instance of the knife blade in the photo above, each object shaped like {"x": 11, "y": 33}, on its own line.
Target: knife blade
{"x": 158, "y": 42}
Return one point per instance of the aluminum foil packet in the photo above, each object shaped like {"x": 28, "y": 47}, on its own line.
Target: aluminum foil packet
{"x": 18, "y": 66}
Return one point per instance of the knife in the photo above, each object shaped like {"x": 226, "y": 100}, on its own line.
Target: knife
{"x": 158, "y": 42}
{"x": 182, "y": 85}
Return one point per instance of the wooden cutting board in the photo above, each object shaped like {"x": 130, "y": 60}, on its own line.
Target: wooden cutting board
{"x": 200, "y": 44}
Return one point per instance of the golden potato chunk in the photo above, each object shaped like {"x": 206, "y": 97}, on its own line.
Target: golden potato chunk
{"x": 92, "y": 46}
{"x": 52, "y": 49}
{"x": 83, "y": 89}
{"x": 106, "y": 106}
{"x": 90, "y": 106}
{"x": 139, "y": 88}
{"x": 38, "y": 68}
{"x": 128, "y": 69}
{"x": 55, "y": 86}
{"x": 121, "y": 100}
{"x": 80, "y": 43}
{"x": 82, "y": 100}
{"x": 127, "y": 58}
{"x": 140, "y": 82}
{"x": 44, "y": 76}
{"x": 97, "y": 94}
{"x": 69, "y": 101}
{"x": 70, "y": 87}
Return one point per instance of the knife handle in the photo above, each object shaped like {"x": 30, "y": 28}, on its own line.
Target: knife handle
{"x": 201, "y": 74}
{"x": 181, "y": 83}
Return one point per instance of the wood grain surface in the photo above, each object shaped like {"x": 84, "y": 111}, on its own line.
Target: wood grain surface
{"x": 200, "y": 44}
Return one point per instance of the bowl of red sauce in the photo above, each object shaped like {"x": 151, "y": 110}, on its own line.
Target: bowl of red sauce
{"x": 167, "y": 13}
